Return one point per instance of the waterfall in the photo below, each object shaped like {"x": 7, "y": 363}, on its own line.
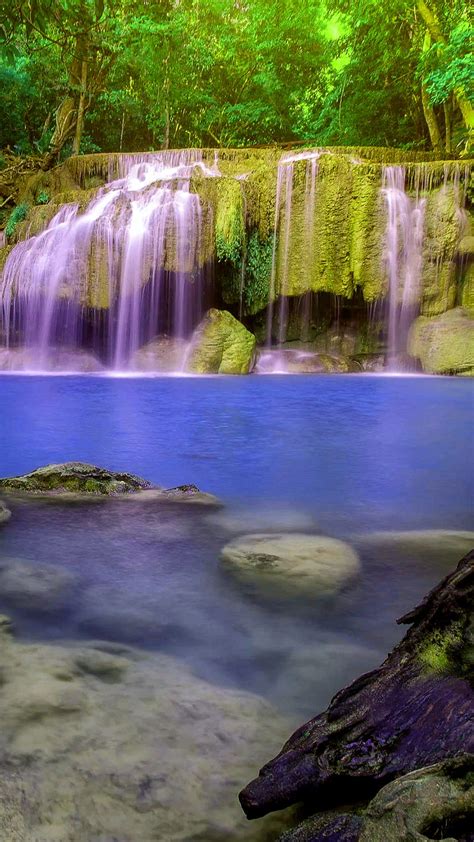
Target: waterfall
{"x": 403, "y": 257}
{"x": 136, "y": 248}
{"x": 282, "y": 236}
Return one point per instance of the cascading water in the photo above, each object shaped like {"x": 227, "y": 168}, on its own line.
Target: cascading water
{"x": 403, "y": 257}
{"x": 282, "y": 246}
{"x": 137, "y": 243}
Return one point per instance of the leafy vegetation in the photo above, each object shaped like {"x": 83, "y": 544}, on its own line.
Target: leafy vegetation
{"x": 96, "y": 75}
{"x": 17, "y": 215}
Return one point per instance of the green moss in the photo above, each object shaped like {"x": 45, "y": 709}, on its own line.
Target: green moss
{"x": 444, "y": 344}
{"x": 17, "y": 215}
{"x": 443, "y": 232}
{"x": 221, "y": 345}
{"x": 229, "y": 221}
{"x": 436, "y": 654}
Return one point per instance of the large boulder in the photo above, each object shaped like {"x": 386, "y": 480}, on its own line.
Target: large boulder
{"x": 290, "y": 563}
{"x": 105, "y": 742}
{"x": 5, "y": 514}
{"x": 221, "y": 345}
{"x": 444, "y": 344}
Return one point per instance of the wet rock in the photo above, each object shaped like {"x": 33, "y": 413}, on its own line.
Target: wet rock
{"x": 301, "y": 361}
{"x": 164, "y": 355}
{"x": 432, "y": 803}
{"x": 188, "y": 494}
{"x": 327, "y": 827}
{"x": 444, "y": 344}
{"x": 5, "y": 514}
{"x": 221, "y": 345}
{"x": 78, "y": 480}
{"x": 36, "y": 588}
{"x": 446, "y": 545}
{"x": 154, "y": 754}
{"x": 58, "y": 360}
{"x": 75, "y": 477}
{"x": 104, "y": 665}
{"x": 292, "y": 562}
{"x": 414, "y": 711}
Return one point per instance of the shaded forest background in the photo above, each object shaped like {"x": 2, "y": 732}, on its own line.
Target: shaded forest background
{"x": 99, "y": 75}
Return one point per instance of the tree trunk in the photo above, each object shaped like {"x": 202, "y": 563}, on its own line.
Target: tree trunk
{"x": 434, "y": 28}
{"x": 81, "y": 108}
{"x": 67, "y": 113}
{"x": 448, "y": 116}
{"x": 428, "y": 110}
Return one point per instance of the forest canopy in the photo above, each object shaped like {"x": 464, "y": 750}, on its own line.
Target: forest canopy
{"x": 95, "y": 75}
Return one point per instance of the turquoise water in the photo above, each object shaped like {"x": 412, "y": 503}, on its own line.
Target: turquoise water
{"x": 341, "y": 455}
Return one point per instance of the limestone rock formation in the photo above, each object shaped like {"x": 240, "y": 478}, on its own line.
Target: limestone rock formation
{"x": 444, "y": 344}
{"x": 221, "y": 345}
{"x": 291, "y": 563}
{"x": 414, "y": 711}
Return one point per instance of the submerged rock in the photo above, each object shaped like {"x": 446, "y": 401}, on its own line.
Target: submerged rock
{"x": 444, "y": 344}
{"x": 292, "y": 562}
{"x": 415, "y": 710}
{"x": 165, "y": 355}
{"x": 447, "y": 545}
{"x": 301, "y": 361}
{"x": 221, "y": 345}
{"x": 35, "y": 587}
{"x": 5, "y": 514}
{"x": 107, "y": 744}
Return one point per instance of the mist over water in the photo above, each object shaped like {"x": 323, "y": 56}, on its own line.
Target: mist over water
{"x": 282, "y": 455}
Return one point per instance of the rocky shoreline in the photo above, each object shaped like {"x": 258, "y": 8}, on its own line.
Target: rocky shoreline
{"x": 393, "y": 754}
{"x": 101, "y": 739}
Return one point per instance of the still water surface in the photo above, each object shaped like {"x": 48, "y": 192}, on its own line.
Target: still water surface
{"x": 342, "y": 455}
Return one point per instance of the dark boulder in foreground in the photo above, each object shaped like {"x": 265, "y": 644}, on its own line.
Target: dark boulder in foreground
{"x": 79, "y": 479}
{"x": 415, "y": 711}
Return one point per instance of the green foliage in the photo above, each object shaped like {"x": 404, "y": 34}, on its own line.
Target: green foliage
{"x": 188, "y": 73}
{"x": 258, "y": 270}
{"x": 17, "y": 215}
{"x": 42, "y": 198}
{"x": 450, "y": 67}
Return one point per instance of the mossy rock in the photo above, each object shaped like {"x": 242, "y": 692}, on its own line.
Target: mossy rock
{"x": 467, "y": 288}
{"x": 444, "y": 344}
{"x": 75, "y": 477}
{"x": 221, "y": 345}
